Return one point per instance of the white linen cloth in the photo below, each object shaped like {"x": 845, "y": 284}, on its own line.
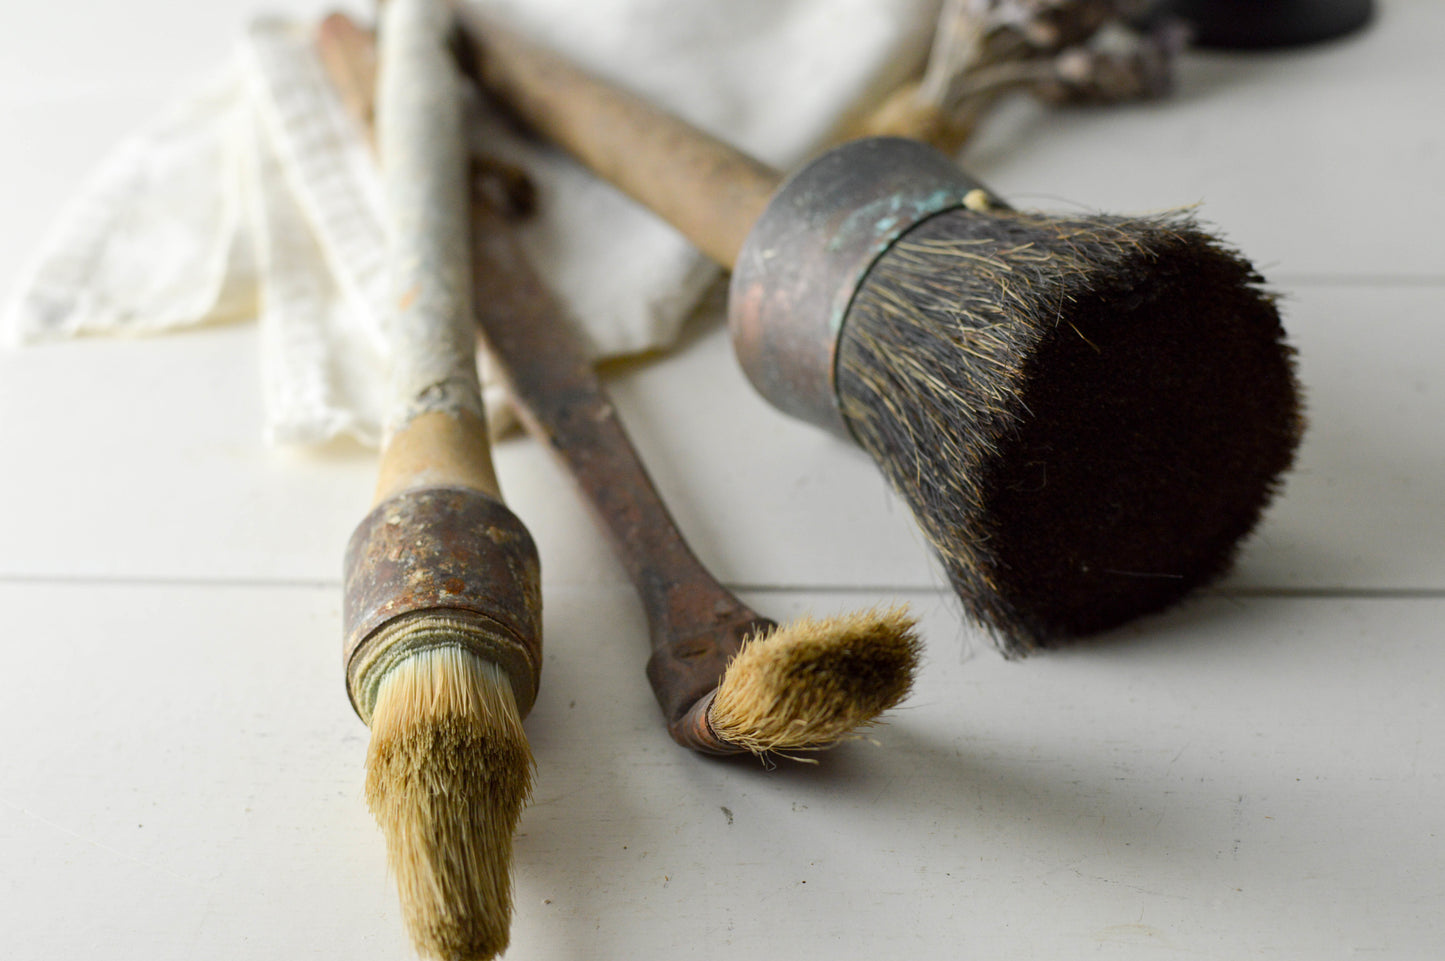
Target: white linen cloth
{"x": 255, "y": 196}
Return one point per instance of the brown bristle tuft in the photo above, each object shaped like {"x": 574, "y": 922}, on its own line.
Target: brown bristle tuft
{"x": 448, "y": 772}
{"x": 812, "y": 683}
{"x": 1085, "y": 415}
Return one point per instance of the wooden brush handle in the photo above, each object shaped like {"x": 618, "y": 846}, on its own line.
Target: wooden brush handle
{"x": 435, "y": 449}
{"x": 709, "y": 191}
{"x": 439, "y": 561}
{"x": 564, "y": 402}
{"x": 436, "y": 428}
{"x": 696, "y": 624}
{"x": 439, "y": 448}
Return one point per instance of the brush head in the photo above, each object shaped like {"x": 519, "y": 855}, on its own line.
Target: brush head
{"x": 1085, "y": 414}
{"x": 447, "y": 774}
{"x": 811, "y": 683}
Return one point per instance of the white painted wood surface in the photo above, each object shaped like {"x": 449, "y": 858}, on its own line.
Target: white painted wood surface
{"x": 1257, "y": 775}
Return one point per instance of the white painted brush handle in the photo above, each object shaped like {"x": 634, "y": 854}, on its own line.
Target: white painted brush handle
{"x": 423, "y": 156}
{"x": 436, "y": 426}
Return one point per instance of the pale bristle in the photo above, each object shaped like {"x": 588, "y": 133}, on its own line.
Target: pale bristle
{"x": 812, "y": 683}
{"x": 448, "y": 772}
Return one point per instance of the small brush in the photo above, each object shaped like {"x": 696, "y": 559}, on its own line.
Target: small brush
{"x": 728, "y": 679}
{"x": 442, "y": 604}
{"x": 1085, "y": 414}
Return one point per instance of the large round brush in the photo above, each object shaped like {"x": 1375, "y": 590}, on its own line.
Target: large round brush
{"x": 1085, "y": 414}
{"x": 728, "y": 679}
{"x": 442, "y": 612}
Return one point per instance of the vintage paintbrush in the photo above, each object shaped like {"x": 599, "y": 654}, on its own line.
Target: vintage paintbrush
{"x": 1085, "y": 414}
{"x": 442, "y": 603}
{"x": 728, "y": 679}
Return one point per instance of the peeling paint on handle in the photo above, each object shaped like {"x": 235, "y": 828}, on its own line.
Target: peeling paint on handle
{"x": 422, "y": 143}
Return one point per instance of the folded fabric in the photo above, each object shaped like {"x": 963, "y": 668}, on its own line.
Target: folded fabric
{"x": 256, "y": 196}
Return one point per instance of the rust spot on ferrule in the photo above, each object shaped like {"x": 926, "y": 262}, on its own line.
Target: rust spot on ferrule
{"x": 811, "y": 250}
{"x": 441, "y": 567}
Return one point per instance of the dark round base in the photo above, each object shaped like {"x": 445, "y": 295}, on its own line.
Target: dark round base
{"x": 1255, "y": 24}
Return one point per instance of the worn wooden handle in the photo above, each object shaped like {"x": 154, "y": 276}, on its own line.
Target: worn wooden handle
{"x": 697, "y": 626}
{"x": 711, "y": 192}
{"x": 436, "y": 425}
{"x": 438, "y": 449}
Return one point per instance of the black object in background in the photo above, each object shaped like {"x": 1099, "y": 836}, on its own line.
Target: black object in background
{"x": 1243, "y": 24}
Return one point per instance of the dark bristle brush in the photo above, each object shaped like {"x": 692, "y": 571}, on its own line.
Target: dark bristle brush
{"x": 729, "y": 680}
{"x": 1085, "y": 414}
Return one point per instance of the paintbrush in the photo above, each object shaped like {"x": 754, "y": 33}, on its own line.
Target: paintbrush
{"x": 1085, "y": 414}
{"x": 728, "y": 679}
{"x": 1058, "y": 51}
{"x": 442, "y": 603}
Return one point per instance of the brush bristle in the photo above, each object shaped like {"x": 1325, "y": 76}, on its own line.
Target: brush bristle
{"x": 812, "y": 683}
{"x": 448, "y": 772}
{"x": 1085, "y": 415}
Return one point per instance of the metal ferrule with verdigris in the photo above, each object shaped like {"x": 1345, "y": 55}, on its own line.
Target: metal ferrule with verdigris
{"x": 809, "y": 253}
{"x": 441, "y": 567}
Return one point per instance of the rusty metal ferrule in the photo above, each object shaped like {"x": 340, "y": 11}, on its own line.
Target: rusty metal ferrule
{"x": 693, "y": 730}
{"x": 440, "y": 567}
{"x": 685, "y": 672}
{"x": 795, "y": 277}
